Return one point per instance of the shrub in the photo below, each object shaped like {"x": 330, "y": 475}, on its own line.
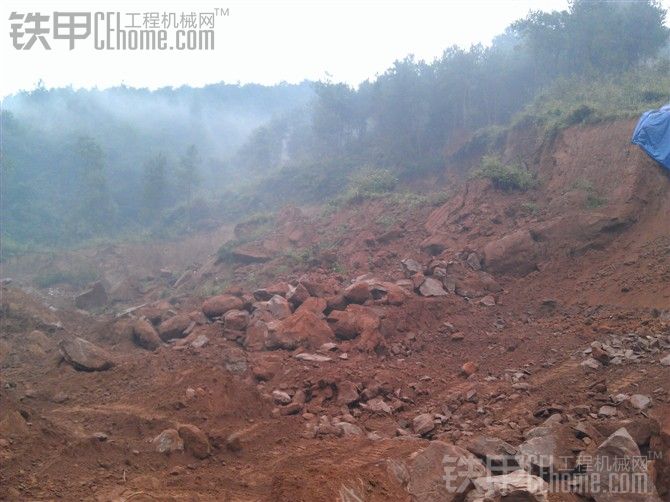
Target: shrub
{"x": 369, "y": 184}
{"x": 593, "y": 199}
{"x": 529, "y": 208}
{"x": 505, "y": 176}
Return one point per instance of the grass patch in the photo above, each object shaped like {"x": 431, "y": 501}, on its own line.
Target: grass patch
{"x": 506, "y": 177}
{"x": 594, "y": 199}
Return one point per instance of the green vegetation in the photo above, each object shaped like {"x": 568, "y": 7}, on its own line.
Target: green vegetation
{"x": 587, "y": 100}
{"x": 370, "y": 184}
{"x": 505, "y": 177}
{"x": 530, "y": 208}
{"x": 594, "y": 199}
{"x": 84, "y": 165}
{"x": 302, "y": 256}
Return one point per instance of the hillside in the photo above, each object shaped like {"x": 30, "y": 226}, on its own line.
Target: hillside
{"x": 340, "y": 352}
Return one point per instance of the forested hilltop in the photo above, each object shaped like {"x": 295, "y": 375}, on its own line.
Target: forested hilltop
{"x": 84, "y": 164}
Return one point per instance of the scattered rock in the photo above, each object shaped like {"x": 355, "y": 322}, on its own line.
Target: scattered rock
{"x": 291, "y": 409}
{"x": 515, "y": 486}
{"x": 93, "y": 298}
{"x": 314, "y": 304}
{"x": 616, "y": 476}
{"x": 314, "y": 358}
{"x": 216, "y": 306}
{"x": 304, "y": 328}
{"x": 234, "y": 442}
{"x": 474, "y": 261}
{"x": 469, "y": 368}
{"x": 442, "y": 472}
{"x": 279, "y": 307}
{"x": 256, "y": 336}
{"x": 174, "y": 327}
{"x": 195, "y": 441}
{"x": 349, "y": 429}
{"x": 377, "y": 405}
{"x": 236, "y": 319}
{"x": 515, "y": 254}
{"x": 640, "y": 401}
{"x": 297, "y": 295}
{"x": 498, "y": 455}
{"x": 200, "y": 341}
{"x": 411, "y": 267}
{"x": 358, "y": 292}
{"x": 14, "y": 426}
{"x": 168, "y": 441}
{"x": 85, "y": 356}
{"x": 488, "y": 301}
{"x": 590, "y": 363}
{"x": 262, "y": 295}
{"x": 352, "y": 322}
{"x": 665, "y": 361}
{"x": 145, "y": 335}
{"x": 423, "y": 424}
{"x": 280, "y": 397}
{"x": 431, "y": 287}
{"x": 548, "y": 450}
{"x": 347, "y": 393}
{"x": 607, "y": 411}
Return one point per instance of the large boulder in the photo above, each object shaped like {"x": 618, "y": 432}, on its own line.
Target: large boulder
{"x": 316, "y": 305}
{"x": 549, "y": 450}
{"x": 174, "y": 327}
{"x": 297, "y": 294}
{"x": 358, "y": 292}
{"x": 304, "y": 329}
{"x": 619, "y": 472}
{"x": 443, "y": 472}
{"x": 388, "y": 292}
{"x": 256, "y": 336}
{"x": 236, "y": 319}
{"x": 279, "y": 307}
{"x": 85, "y": 356}
{"x": 498, "y": 455}
{"x": 515, "y": 254}
{"x": 516, "y": 486}
{"x": 145, "y": 335}
{"x": 353, "y": 321}
{"x": 93, "y": 298}
{"x": 216, "y": 306}
{"x": 432, "y": 287}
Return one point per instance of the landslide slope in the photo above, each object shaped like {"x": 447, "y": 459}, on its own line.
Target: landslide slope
{"x": 531, "y": 280}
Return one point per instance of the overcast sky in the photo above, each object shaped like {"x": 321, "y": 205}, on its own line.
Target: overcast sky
{"x": 264, "y": 42}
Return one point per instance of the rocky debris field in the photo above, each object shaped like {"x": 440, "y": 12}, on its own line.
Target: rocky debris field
{"x": 466, "y": 353}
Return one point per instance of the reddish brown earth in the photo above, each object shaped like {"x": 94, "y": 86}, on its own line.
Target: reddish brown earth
{"x": 583, "y": 257}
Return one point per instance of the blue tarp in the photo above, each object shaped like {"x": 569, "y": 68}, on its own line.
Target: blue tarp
{"x": 652, "y": 133}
